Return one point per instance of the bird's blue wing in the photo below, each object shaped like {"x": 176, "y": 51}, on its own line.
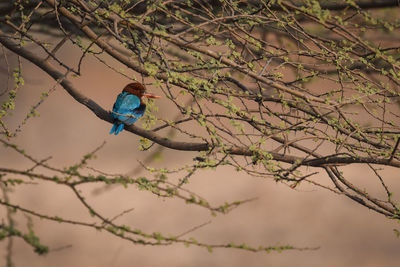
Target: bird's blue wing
{"x": 126, "y": 104}
{"x": 136, "y": 114}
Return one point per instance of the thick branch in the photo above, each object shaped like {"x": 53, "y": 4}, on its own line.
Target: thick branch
{"x": 92, "y": 105}
{"x": 361, "y": 4}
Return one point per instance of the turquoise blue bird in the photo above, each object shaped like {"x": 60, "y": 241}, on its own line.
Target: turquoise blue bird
{"x": 129, "y": 106}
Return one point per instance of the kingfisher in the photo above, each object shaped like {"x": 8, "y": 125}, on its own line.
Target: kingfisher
{"x": 129, "y": 106}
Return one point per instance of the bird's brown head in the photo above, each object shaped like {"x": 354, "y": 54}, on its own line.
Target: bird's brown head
{"x": 135, "y": 89}
{"x": 139, "y": 90}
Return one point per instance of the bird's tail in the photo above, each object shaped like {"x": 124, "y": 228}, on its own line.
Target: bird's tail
{"x": 117, "y": 128}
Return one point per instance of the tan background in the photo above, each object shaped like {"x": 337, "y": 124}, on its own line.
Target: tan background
{"x": 347, "y": 234}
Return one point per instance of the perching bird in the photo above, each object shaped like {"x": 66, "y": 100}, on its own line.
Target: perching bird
{"x": 129, "y": 106}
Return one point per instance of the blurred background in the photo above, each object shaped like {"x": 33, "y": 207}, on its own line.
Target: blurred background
{"x": 345, "y": 233}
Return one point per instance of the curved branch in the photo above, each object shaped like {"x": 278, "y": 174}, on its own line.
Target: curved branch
{"x": 358, "y": 5}
{"x": 92, "y": 105}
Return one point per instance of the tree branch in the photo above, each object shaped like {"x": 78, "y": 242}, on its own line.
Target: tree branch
{"x": 361, "y": 5}
{"x": 92, "y": 105}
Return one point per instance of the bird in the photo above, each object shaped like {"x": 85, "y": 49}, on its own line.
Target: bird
{"x": 129, "y": 106}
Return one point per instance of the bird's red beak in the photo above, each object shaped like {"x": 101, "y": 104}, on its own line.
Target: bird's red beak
{"x": 151, "y": 96}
